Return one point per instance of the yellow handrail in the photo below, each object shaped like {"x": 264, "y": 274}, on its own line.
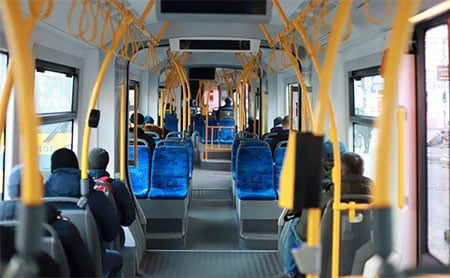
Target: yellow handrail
{"x": 23, "y": 71}
{"x": 96, "y": 90}
{"x": 384, "y": 123}
{"x": 401, "y": 157}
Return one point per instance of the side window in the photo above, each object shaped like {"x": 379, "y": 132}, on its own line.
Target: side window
{"x": 366, "y": 95}
{"x": 437, "y": 139}
{"x": 55, "y": 97}
{"x": 3, "y": 71}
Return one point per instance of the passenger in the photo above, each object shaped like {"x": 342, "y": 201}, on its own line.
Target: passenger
{"x": 64, "y": 180}
{"x": 251, "y": 124}
{"x": 282, "y": 135}
{"x": 97, "y": 163}
{"x": 277, "y": 125}
{"x": 352, "y": 182}
{"x": 140, "y": 132}
{"x": 226, "y": 111}
{"x": 150, "y": 126}
{"x": 74, "y": 247}
{"x": 328, "y": 159}
{"x": 171, "y": 121}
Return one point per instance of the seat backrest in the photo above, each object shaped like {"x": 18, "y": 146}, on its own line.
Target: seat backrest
{"x": 184, "y": 142}
{"x": 170, "y": 168}
{"x": 50, "y": 244}
{"x": 280, "y": 151}
{"x": 140, "y": 174}
{"x": 234, "y": 148}
{"x": 84, "y": 220}
{"x": 53, "y": 246}
{"x": 226, "y": 134}
{"x": 254, "y": 168}
{"x": 353, "y": 235}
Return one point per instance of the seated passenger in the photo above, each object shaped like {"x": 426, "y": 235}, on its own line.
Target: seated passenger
{"x": 251, "y": 124}
{"x": 352, "y": 182}
{"x": 64, "y": 180}
{"x": 74, "y": 247}
{"x": 140, "y": 132}
{"x": 277, "y": 125}
{"x": 97, "y": 162}
{"x": 150, "y": 126}
{"x": 226, "y": 111}
{"x": 327, "y": 158}
{"x": 282, "y": 135}
{"x": 171, "y": 121}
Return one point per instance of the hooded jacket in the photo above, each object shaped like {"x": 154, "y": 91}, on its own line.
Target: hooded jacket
{"x": 65, "y": 182}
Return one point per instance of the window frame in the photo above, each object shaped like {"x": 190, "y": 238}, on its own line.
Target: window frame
{"x": 425, "y": 258}
{"x": 49, "y": 118}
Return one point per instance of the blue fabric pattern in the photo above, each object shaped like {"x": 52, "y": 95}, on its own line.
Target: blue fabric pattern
{"x": 189, "y": 147}
{"x": 226, "y": 134}
{"x": 254, "y": 173}
{"x": 279, "y": 157}
{"x": 169, "y": 179}
{"x": 140, "y": 174}
{"x": 211, "y": 122}
{"x": 234, "y": 149}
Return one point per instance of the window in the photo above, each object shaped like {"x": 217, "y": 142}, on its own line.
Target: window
{"x": 55, "y": 98}
{"x": 366, "y": 97}
{"x": 437, "y": 138}
{"x": 3, "y": 71}
{"x": 296, "y": 105}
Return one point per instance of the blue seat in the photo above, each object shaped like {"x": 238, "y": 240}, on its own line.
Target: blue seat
{"x": 140, "y": 174}
{"x": 234, "y": 148}
{"x": 215, "y": 139}
{"x": 170, "y": 122}
{"x": 226, "y": 135}
{"x": 188, "y": 143}
{"x": 169, "y": 178}
{"x": 280, "y": 151}
{"x": 254, "y": 173}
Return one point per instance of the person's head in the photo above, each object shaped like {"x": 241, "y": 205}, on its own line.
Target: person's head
{"x": 140, "y": 119}
{"x": 352, "y": 163}
{"x": 228, "y": 101}
{"x": 148, "y": 119}
{"x": 251, "y": 121}
{"x": 285, "y": 122}
{"x": 277, "y": 121}
{"x": 15, "y": 181}
{"x": 98, "y": 158}
{"x": 328, "y": 150}
{"x": 64, "y": 158}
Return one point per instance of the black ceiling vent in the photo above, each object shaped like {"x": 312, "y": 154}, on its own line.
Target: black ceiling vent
{"x": 217, "y": 10}
{"x": 206, "y": 44}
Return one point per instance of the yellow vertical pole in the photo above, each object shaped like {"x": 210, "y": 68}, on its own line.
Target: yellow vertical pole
{"x": 263, "y": 113}
{"x": 397, "y": 43}
{"x": 122, "y": 132}
{"x": 401, "y": 156}
{"x": 23, "y": 71}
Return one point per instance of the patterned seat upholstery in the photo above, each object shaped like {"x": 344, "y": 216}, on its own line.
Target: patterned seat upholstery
{"x": 254, "y": 172}
{"x": 280, "y": 151}
{"x": 226, "y": 134}
{"x": 234, "y": 149}
{"x": 169, "y": 178}
{"x": 140, "y": 174}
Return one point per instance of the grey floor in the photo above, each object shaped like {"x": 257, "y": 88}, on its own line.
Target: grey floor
{"x": 212, "y": 244}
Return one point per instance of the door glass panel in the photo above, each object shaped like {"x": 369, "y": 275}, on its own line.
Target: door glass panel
{"x": 437, "y": 88}
{"x": 364, "y": 144}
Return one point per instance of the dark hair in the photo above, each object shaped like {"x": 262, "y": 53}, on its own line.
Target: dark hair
{"x": 140, "y": 119}
{"x": 352, "y": 163}
{"x": 228, "y": 101}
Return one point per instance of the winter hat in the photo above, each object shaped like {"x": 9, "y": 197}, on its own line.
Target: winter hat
{"x": 14, "y": 181}
{"x": 64, "y": 158}
{"x": 98, "y": 158}
{"x": 140, "y": 119}
{"x": 328, "y": 150}
{"x": 277, "y": 121}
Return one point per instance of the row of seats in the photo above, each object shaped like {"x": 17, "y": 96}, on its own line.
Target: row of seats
{"x": 225, "y": 135}
{"x": 253, "y": 158}
{"x": 167, "y": 173}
